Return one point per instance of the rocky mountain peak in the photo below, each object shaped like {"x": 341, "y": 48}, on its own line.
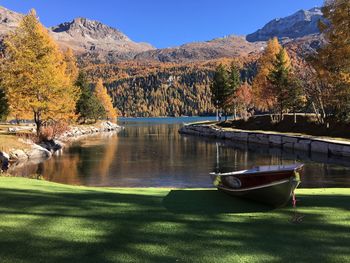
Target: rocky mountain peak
{"x": 89, "y": 28}
{"x": 8, "y": 16}
{"x": 8, "y": 20}
{"x": 299, "y": 24}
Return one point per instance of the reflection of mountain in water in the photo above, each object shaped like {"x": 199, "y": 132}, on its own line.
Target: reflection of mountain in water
{"x": 156, "y": 155}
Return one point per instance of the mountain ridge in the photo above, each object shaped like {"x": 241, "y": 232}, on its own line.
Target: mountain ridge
{"x": 95, "y": 42}
{"x": 299, "y": 24}
{"x": 159, "y": 82}
{"x": 82, "y": 35}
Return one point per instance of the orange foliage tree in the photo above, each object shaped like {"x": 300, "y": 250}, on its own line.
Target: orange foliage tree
{"x": 34, "y": 74}
{"x": 244, "y": 99}
{"x": 263, "y": 97}
{"x": 106, "y": 101}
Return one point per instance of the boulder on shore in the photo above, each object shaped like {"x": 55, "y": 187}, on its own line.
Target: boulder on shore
{"x": 38, "y": 152}
{"x": 18, "y": 155}
{"x": 51, "y": 145}
{"x": 4, "y": 161}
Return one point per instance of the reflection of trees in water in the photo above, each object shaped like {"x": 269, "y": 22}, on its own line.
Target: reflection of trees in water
{"x": 160, "y": 150}
{"x": 95, "y": 159}
{"x": 102, "y": 168}
{"x": 146, "y": 155}
{"x": 62, "y": 170}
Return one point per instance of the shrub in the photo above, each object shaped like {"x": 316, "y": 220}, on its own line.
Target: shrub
{"x": 52, "y": 129}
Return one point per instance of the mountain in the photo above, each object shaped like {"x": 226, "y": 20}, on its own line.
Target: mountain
{"x": 145, "y": 81}
{"x": 83, "y": 36}
{"x": 8, "y": 20}
{"x": 230, "y": 46}
{"x": 98, "y": 43}
{"x": 300, "y": 24}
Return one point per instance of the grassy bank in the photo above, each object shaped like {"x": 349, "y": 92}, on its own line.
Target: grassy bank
{"x": 47, "y": 222}
{"x": 10, "y": 141}
{"x": 306, "y": 124}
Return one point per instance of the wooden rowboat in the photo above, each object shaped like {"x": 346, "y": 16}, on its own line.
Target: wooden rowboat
{"x": 272, "y": 185}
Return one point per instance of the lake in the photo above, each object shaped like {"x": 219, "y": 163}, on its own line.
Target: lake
{"x": 150, "y": 152}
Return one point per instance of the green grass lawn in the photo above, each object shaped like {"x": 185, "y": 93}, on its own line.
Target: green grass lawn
{"x": 47, "y": 222}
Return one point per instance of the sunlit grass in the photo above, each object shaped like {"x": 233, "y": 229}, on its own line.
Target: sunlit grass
{"x": 47, "y": 222}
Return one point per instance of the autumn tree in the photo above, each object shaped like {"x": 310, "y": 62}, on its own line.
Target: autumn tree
{"x": 88, "y": 106}
{"x": 106, "y": 101}
{"x": 72, "y": 70}
{"x": 244, "y": 100}
{"x": 315, "y": 90}
{"x": 332, "y": 61}
{"x": 34, "y": 74}
{"x": 280, "y": 82}
{"x": 262, "y": 93}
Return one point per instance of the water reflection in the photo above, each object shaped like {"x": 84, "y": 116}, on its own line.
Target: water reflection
{"x": 154, "y": 154}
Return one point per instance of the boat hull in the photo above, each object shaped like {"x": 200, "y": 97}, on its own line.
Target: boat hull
{"x": 277, "y": 194}
{"x": 274, "y": 188}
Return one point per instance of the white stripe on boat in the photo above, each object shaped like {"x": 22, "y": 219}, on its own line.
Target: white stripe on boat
{"x": 255, "y": 187}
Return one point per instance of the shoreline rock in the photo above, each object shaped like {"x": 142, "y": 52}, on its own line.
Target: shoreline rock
{"x": 45, "y": 149}
{"x": 77, "y": 131}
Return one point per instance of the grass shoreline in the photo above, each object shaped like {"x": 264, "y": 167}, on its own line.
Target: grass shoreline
{"x": 42, "y": 221}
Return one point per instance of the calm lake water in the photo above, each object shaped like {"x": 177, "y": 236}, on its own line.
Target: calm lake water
{"x": 150, "y": 152}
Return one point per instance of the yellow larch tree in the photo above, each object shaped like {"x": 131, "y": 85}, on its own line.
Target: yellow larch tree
{"x": 332, "y": 61}
{"x": 106, "y": 101}
{"x": 34, "y": 74}
{"x": 72, "y": 69}
{"x": 262, "y": 95}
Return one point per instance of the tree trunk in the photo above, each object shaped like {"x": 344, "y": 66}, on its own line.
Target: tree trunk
{"x": 37, "y": 121}
{"x": 316, "y": 112}
{"x": 281, "y": 113}
{"x": 235, "y": 112}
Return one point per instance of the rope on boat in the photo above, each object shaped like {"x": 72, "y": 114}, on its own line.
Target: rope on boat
{"x": 297, "y": 218}
{"x": 294, "y": 200}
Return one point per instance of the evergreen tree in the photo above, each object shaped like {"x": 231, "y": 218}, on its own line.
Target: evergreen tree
{"x": 220, "y": 88}
{"x": 4, "y": 107}
{"x": 88, "y": 106}
{"x": 34, "y": 74}
{"x": 234, "y": 84}
{"x": 296, "y": 97}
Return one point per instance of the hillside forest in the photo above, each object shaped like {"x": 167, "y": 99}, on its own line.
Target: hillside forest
{"x": 40, "y": 81}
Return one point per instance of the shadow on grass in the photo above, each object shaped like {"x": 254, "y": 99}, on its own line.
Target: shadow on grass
{"x": 66, "y": 225}
{"x": 209, "y": 202}
{"x": 334, "y": 201}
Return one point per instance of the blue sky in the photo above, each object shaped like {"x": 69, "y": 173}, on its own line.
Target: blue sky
{"x": 166, "y": 23}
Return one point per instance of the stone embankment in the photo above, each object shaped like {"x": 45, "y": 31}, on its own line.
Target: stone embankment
{"x": 45, "y": 150}
{"x": 78, "y": 131}
{"x": 298, "y": 142}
